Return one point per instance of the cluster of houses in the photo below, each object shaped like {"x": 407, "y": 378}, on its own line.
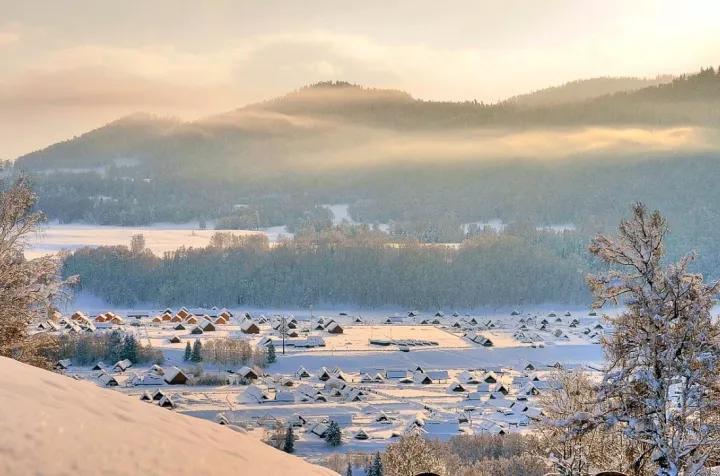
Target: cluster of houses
{"x": 492, "y": 400}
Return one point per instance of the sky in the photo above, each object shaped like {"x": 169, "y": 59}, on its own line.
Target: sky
{"x": 68, "y": 67}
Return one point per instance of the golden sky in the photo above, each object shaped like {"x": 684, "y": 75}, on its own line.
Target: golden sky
{"x": 67, "y": 67}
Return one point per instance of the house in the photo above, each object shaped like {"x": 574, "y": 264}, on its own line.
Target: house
{"x": 441, "y": 429}
{"x": 302, "y": 373}
{"x": 99, "y": 366}
{"x": 361, "y": 435}
{"x": 167, "y": 402}
{"x": 78, "y": 315}
{"x": 221, "y": 320}
{"x": 158, "y": 395}
{"x": 146, "y": 397}
{"x": 180, "y": 327}
{"x": 147, "y": 379}
{"x": 287, "y": 396}
{"x": 176, "y": 318}
{"x": 468, "y": 378}
{"x": 256, "y": 393}
{"x": 438, "y": 376}
{"x": 490, "y": 377}
{"x": 334, "y": 328}
{"x": 247, "y": 373}
{"x": 456, "y": 387}
{"x": 249, "y": 327}
{"x": 107, "y": 380}
{"x": 420, "y": 377}
{"x": 396, "y": 374}
{"x": 320, "y": 429}
{"x": 122, "y": 365}
{"x": 207, "y": 326}
{"x": 63, "y": 364}
{"x": 175, "y": 340}
{"x": 175, "y": 376}
{"x": 196, "y": 330}
{"x": 192, "y": 320}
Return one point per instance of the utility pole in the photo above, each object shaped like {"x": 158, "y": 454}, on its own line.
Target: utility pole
{"x": 283, "y": 331}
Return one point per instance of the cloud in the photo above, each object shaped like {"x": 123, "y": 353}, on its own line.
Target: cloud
{"x": 8, "y": 38}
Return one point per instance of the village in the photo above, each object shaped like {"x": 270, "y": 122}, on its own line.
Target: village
{"x": 376, "y": 377}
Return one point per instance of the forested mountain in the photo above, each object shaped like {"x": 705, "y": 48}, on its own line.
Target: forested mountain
{"x": 426, "y": 168}
{"x": 584, "y": 89}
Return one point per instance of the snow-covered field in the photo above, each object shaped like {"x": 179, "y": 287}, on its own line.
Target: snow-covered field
{"x": 159, "y": 238}
{"x": 446, "y": 383}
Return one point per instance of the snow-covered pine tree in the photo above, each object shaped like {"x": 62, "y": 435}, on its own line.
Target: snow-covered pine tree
{"x": 115, "y": 345}
{"x": 289, "y": 443}
{"x": 334, "y": 434}
{"x": 376, "y": 467}
{"x": 188, "y": 351}
{"x": 348, "y": 471}
{"x": 663, "y": 358}
{"x": 196, "y": 355}
{"x": 130, "y": 348}
{"x": 271, "y": 357}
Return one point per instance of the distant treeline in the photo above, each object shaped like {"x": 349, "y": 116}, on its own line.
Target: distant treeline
{"x": 344, "y": 266}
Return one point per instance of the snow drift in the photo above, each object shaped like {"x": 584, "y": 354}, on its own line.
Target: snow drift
{"x": 51, "y": 425}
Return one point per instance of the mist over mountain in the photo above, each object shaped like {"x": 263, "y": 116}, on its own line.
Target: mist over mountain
{"x": 397, "y": 160}
{"x": 584, "y": 89}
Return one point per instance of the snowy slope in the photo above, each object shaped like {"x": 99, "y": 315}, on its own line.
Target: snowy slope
{"x": 51, "y": 425}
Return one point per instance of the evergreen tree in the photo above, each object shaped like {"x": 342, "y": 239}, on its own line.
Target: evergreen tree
{"x": 271, "y": 353}
{"x": 188, "y": 351}
{"x": 289, "y": 445}
{"x": 334, "y": 434}
{"x": 130, "y": 348}
{"x": 196, "y": 355}
{"x": 376, "y": 468}
{"x": 115, "y": 345}
{"x": 349, "y": 471}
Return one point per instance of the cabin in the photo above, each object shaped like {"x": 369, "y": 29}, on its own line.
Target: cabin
{"x": 192, "y": 320}
{"x": 320, "y": 429}
{"x": 361, "y": 435}
{"x": 207, "y": 326}
{"x": 158, "y": 395}
{"x": 221, "y": 320}
{"x": 396, "y": 374}
{"x": 247, "y": 373}
{"x": 157, "y": 320}
{"x": 175, "y": 376}
{"x": 256, "y": 393}
{"x": 146, "y": 397}
{"x": 176, "y": 318}
{"x": 167, "y": 402}
{"x": 456, "y": 387}
{"x": 302, "y": 373}
{"x": 122, "y": 365}
{"x": 107, "y": 380}
{"x": 249, "y": 327}
{"x": 420, "y": 377}
{"x": 175, "y": 340}
{"x": 334, "y": 328}
{"x": 180, "y": 327}
{"x": 63, "y": 364}
{"x": 197, "y": 330}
